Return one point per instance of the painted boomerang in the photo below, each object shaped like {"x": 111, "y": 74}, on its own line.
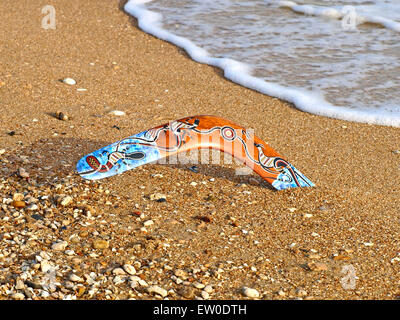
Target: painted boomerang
{"x": 191, "y": 133}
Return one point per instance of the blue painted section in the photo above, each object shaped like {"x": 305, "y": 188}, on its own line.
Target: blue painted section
{"x": 122, "y": 154}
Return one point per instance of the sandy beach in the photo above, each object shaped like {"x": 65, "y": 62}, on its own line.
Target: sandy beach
{"x": 216, "y": 232}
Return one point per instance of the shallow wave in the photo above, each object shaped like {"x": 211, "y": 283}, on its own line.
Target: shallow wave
{"x": 340, "y": 13}
{"x": 238, "y": 72}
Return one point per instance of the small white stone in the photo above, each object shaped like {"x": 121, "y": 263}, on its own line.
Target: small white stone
{"x": 129, "y": 269}
{"x": 193, "y": 184}
{"x": 69, "y": 81}
{"x": 157, "y": 290}
{"x": 249, "y": 292}
{"x": 2, "y": 151}
{"x": 308, "y": 215}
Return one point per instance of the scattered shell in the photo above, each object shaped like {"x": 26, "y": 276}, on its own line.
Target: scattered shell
{"x": 148, "y": 223}
{"x": 129, "y": 269}
{"x": 69, "y": 81}
{"x": 117, "y": 113}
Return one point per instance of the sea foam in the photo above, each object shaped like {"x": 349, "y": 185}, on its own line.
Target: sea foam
{"x": 241, "y": 73}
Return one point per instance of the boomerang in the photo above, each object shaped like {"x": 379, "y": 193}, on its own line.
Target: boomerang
{"x": 193, "y": 133}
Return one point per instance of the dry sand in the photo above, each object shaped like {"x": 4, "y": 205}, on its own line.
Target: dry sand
{"x": 252, "y": 236}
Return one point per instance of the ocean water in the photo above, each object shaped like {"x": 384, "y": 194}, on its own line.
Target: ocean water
{"x": 338, "y": 58}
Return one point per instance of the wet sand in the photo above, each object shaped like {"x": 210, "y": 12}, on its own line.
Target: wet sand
{"x": 286, "y": 245}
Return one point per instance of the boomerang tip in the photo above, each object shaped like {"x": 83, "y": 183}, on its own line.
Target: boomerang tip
{"x": 282, "y": 182}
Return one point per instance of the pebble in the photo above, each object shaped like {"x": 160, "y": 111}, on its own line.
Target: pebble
{"x": 157, "y": 290}
{"x": 100, "y": 244}
{"x": 281, "y": 293}
{"x": 59, "y": 246}
{"x": 19, "y": 285}
{"x": 74, "y": 278}
{"x": 33, "y": 207}
{"x": 23, "y": 173}
{"x": 45, "y": 266}
{"x": 205, "y": 295}
{"x": 69, "y": 81}
{"x": 180, "y": 273}
{"x": 119, "y": 272}
{"x": 208, "y": 288}
{"x": 18, "y": 197}
{"x": 66, "y": 201}
{"x": 61, "y": 116}
{"x": 317, "y": 266}
{"x": 2, "y": 151}
{"x": 301, "y": 292}
{"x": 198, "y": 285}
{"x": 250, "y": 293}
{"x": 187, "y": 292}
{"x": 19, "y": 204}
{"x": 18, "y": 296}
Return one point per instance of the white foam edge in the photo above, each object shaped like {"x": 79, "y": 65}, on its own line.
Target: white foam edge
{"x": 151, "y": 22}
{"x": 314, "y": 10}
